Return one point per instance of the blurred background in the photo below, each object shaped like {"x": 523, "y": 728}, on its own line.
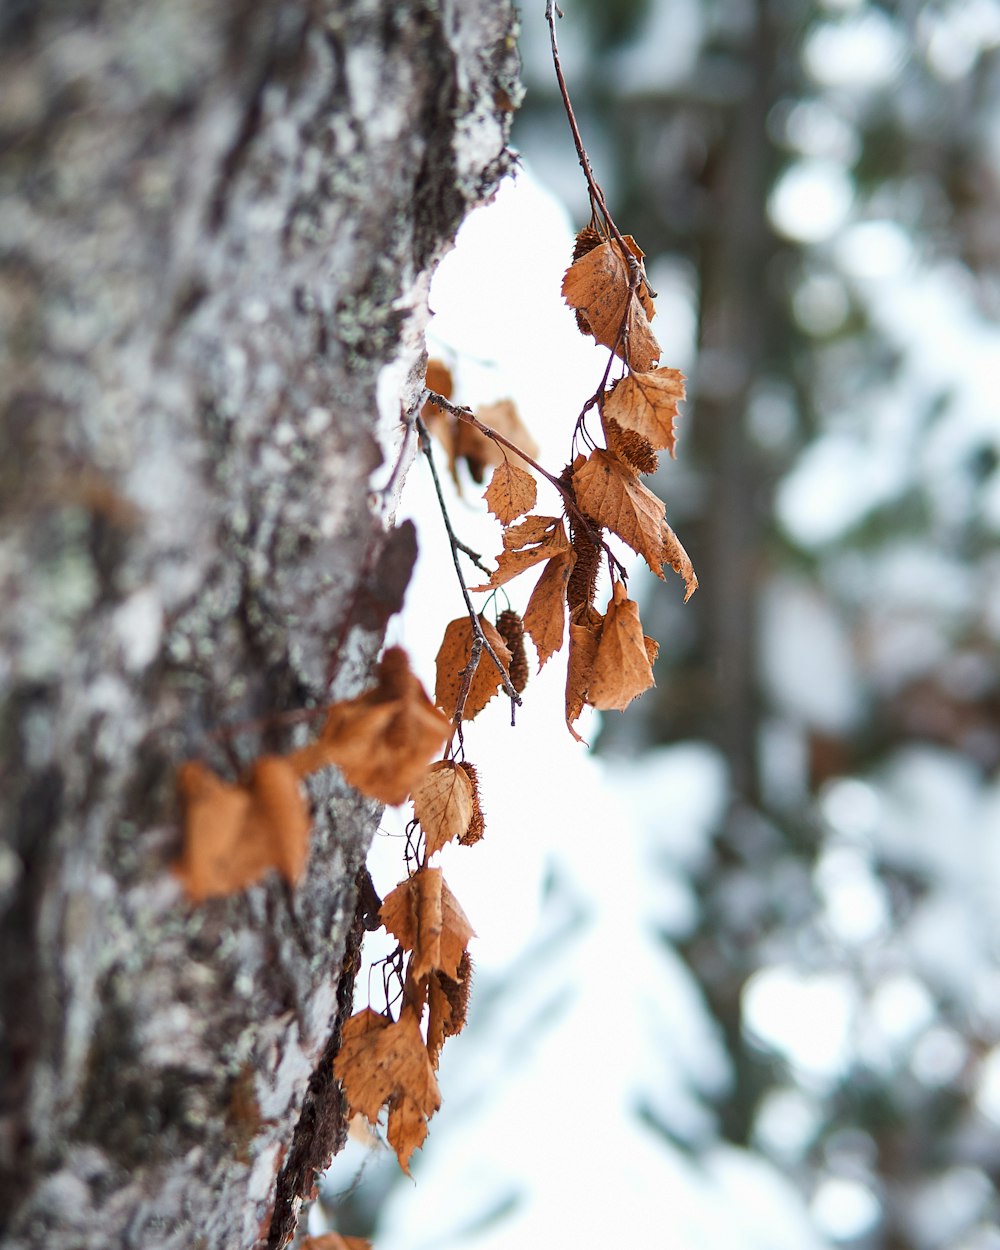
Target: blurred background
{"x": 738, "y": 983}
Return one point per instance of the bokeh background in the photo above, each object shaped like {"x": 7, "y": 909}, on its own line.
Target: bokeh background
{"x": 738, "y": 982}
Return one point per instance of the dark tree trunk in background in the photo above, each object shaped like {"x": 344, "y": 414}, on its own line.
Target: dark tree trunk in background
{"x": 217, "y": 226}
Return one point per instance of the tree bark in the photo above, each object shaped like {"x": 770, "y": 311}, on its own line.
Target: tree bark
{"x": 218, "y": 228}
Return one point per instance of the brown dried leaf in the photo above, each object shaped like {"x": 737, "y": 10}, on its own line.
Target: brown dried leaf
{"x": 448, "y": 1005}
{"x": 442, "y": 803}
{"x": 384, "y": 739}
{"x": 597, "y": 285}
{"x": 479, "y": 450}
{"x": 440, "y": 423}
{"x": 505, "y": 419}
{"x": 381, "y": 593}
{"x": 545, "y": 615}
{"x": 647, "y": 404}
{"x": 279, "y": 815}
{"x": 234, "y": 834}
{"x": 426, "y": 918}
{"x": 528, "y": 552}
{"x": 216, "y": 860}
{"x": 512, "y": 492}
{"x": 583, "y": 644}
{"x": 610, "y": 492}
{"x": 533, "y": 529}
{"x": 679, "y": 560}
{"x": 438, "y": 378}
{"x": 381, "y": 1062}
{"x": 335, "y": 1241}
{"x": 455, "y": 654}
{"x": 622, "y": 669}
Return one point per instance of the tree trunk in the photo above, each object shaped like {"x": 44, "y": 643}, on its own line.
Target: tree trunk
{"x": 218, "y": 227}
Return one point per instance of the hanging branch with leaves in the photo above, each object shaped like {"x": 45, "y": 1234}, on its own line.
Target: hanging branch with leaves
{"x": 387, "y": 741}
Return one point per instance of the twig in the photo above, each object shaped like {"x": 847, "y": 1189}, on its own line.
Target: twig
{"x": 467, "y": 415}
{"x": 480, "y": 643}
{"x": 593, "y": 186}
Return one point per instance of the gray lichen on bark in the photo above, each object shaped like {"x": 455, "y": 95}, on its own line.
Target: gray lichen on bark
{"x": 217, "y": 231}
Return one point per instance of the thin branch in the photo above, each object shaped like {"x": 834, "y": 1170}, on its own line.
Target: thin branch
{"x": 480, "y": 643}
{"x": 467, "y": 415}
{"x": 597, "y": 199}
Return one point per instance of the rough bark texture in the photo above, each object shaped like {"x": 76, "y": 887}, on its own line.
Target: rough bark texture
{"x": 218, "y": 226}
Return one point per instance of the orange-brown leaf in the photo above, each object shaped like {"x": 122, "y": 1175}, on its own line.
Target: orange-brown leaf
{"x": 448, "y": 1005}
{"x": 621, "y": 669}
{"x": 610, "y": 492}
{"x": 279, "y": 814}
{"x": 512, "y": 492}
{"x": 533, "y": 529}
{"x": 335, "y": 1241}
{"x": 216, "y": 860}
{"x": 597, "y": 285}
{"x": 439, "y": 422}
{"x": 479, "y": 450}
{"x": 443, "y": 803}
{"x": 583, "y": 644}
{"x": 381, "y": 1062}
{"x": 426, "y": 918}
{"x": 234, "y": 834}
{"x": 438, "y": 378}
{"x": 647, "y": 404}
{"x": 679, "y": 560}
{"x": 545, "y": 615}
{"x": 384, "y": 739}
{"x": 526, "y": 551}
{"x": 407, "y": 1127}
{"x": 506, "y": 420}
{"x": 455, "y": 654}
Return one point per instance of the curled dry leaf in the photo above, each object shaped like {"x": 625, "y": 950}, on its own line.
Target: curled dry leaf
{"x": 335, "y": 1241}
{"x": 383, "y": 740}
{"x": 426, "y": 918}
{"x": 545, "y": 615}
{"x": 443, "y": 803}
{"x": 279, "y": 815}
{"x": 621, "y": 669}
{"x": 647, "y": 404}
{"x": 479, "y": 451}
{"x": 448, "y": 1006}
{"x": 235, "y": 834}
{"x": 679, "y": 560}
{"x": 512, "y": 492}
{"x": 454, "y": 655}
{"x": 597, "y": 286}
{"x": 532, "y": 530}
{"x": 381, "y": 1062}
{"x": 523, "y": 550}
{"x": 584, "y": 640}
{"x": 610, "y": 492}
